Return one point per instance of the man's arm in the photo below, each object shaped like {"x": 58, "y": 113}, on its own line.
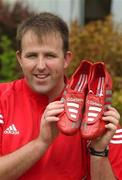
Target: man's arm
{"x": 15, "y": 164}
{"x": 100, "y": 166}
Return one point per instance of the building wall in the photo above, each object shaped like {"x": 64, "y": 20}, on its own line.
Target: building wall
{"x": 116, "y": 10}
{"x": 69, "y": 10}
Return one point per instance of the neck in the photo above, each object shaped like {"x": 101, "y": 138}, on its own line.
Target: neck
{"x": 57, "y": 94}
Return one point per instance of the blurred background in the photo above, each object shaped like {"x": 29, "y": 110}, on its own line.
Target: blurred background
{"x": 95, "y": 34}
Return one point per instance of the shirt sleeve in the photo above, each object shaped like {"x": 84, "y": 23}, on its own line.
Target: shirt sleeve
{"x": 115, "y": 153}
{"x": 1, "y": 118}
{"x": 1, "y": 128}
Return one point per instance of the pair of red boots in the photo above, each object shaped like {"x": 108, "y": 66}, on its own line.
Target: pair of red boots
{"x": 86, "y": 97}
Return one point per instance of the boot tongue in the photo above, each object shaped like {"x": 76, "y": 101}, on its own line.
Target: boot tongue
{"x": 91, "y": 92}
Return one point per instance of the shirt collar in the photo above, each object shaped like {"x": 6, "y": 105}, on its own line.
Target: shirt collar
{"x": 37, "y": 96}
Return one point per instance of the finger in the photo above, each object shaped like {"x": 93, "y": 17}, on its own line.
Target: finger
{"x": 111, "y": 108}
{"x": 112, "y": 111}
{"x": 56, "y": 102}
{"x": 53, "y": 112}
{"x": 111, "y": 130}
{"x": 111, "y": 127}
{"x": 52, "y": 119}
{"x": 55, "y": 106}
{"x": 111, "y": 119}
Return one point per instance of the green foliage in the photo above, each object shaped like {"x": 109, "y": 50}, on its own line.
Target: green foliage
{"x": 11, "y": 17}
{"x": 9, "y": 20}
{"x": 117, "y": 101}
{"x": 98, "y": 41}
{"x": 7, "y": 60}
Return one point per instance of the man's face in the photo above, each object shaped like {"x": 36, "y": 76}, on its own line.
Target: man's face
{"x": 43, "y": 63}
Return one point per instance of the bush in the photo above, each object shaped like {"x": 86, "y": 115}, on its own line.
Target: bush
{"x": 117, "y": 101}
{"x": 10, "y": 18}
{"x": 99, "y": 41}
{"x": 8, "y": 64}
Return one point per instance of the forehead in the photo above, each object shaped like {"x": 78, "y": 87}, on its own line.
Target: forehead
{"x": 49, "y": 38}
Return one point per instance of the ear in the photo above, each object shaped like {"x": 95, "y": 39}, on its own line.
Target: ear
{"x": 18, "y": 56}
{"x": 68, "y": 57}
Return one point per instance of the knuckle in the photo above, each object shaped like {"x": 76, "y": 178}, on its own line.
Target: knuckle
{"x": 115, "y": 128}
{"x": 118, "y": 116}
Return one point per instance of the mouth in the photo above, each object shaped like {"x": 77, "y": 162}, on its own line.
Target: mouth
{"x": 41, "y": 77}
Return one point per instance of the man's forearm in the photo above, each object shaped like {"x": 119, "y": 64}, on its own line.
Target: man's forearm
{"x": 101, "y": 168}
{"x": 13, "y": 165}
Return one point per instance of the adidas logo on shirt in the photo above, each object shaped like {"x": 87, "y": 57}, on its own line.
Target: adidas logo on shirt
{"x": 11, "y": 130}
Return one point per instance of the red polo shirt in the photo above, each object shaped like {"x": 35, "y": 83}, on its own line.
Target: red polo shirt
{"x": 66, "y": 159}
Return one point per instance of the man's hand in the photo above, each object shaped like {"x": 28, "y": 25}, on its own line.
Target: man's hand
{"x": 49, "y": 130}
{"x": 100, "y": 166}
{"x": 111, "y": 117}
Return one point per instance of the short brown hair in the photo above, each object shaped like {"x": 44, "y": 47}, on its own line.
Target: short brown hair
{"x": 42, "y": 24}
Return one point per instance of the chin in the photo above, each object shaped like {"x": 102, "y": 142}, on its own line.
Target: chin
{"x": 41, "y": 90}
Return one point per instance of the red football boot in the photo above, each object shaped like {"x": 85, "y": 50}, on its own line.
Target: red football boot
{"x": 108, "y": 98}
{"x": 73, "y": 97}
{"x": 92, "y": 124}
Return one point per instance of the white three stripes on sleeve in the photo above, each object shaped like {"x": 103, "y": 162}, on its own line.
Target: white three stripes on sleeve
{"x": 117, "y": 138}
{"x": 1, "y": 119}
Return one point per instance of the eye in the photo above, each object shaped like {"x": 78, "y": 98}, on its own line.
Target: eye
{"x": 31, "y": 56}
{"x": 50, "y": 55}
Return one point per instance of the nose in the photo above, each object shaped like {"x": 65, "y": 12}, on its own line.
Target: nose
{"x": 41, "y": 64}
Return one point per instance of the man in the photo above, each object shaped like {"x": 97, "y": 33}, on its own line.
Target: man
{"x": 31, "y": 145}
